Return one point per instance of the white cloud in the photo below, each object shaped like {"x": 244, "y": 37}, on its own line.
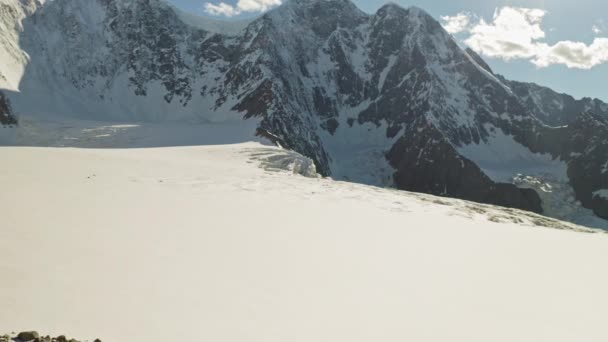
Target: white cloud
{"x": 573, "y": 54}
{"x": 456, "y": 24}
{"x": 516, "y": 33}
{"x": 510, "y": 35}
{"x": 596, "y": 29}
{"x": 221, "y": 9}
{"x": 242, "y": 6}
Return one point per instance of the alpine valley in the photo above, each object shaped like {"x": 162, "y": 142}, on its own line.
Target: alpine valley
{"x": 387, "y": 99}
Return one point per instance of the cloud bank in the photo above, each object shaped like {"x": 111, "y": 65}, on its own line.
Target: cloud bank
{"x": 457, "y": 23}
{"x": 242, "y": 6}
{"x": 516, "y": 33}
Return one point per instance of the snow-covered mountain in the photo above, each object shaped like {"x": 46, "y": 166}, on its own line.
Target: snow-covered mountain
{"x": 386, "y": 99}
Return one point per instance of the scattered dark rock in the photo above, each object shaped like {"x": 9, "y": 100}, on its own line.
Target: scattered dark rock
{"x": 26, "y": 336}
{"x": 330, "y": 125}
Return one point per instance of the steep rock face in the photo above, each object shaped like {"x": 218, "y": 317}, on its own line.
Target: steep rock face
{"x": 13, "y": 58}
{"x": 387, "y": 99}
{"x": 426, "y": 162}
{"x": 588, "y": 169}
{"x": 583, "y": 143}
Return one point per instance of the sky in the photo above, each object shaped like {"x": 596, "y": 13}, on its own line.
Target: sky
{"x": 562, "y": 44}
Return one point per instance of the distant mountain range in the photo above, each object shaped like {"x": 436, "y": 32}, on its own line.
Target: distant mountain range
{"x": 387, "y": 99}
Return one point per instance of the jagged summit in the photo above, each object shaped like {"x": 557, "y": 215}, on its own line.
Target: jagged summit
{"x": 324, "y": 16}
{"x": 394, "y": 8}
{"x": 319, "y": 8}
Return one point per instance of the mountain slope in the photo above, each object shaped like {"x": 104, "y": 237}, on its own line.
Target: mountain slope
{"x": 386, "y": 99}
{"x": 553, "y": 108}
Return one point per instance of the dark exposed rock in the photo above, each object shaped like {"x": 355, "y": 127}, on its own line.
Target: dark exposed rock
{"x": 27, "y": 336}
{"x": 262, "y": 133}
{"x": 331, "y": 125}
{"x": 34, "y": 336}
{"x": 257, "y": 103}
{"x": 7, "y": 117}
{"x": 426, "y": 162}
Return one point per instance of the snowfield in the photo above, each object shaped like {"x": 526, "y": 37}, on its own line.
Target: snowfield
{"x": 228, "y": 242}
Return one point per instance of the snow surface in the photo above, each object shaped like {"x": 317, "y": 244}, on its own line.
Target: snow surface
{"x": 217, "y": 243}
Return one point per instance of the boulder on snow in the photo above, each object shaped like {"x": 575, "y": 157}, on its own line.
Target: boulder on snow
{"x": 26, "y": 336}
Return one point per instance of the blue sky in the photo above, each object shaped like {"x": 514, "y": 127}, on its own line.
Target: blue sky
{"x": 563, "y": 43}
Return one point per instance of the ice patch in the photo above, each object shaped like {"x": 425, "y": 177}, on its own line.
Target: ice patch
{"x": 502, "y": 158}
{"x": 391, "y": 63}
{"x": 559, "y": 200}
{"x": 358, "y": 153}
{"x": 67, "y": 132}
{"x": 601, "y": 193}
{"x": 280, "y": 160}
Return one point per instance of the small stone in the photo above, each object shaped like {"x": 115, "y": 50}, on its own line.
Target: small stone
{"x": 26, "y": 336}
{"x": 61, "y": 338}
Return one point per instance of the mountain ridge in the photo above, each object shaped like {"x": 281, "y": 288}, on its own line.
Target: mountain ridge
{"x": 388, "y": 98}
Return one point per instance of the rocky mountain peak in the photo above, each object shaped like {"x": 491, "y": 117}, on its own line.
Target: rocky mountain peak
{"x": 387, "y": 99}
{"x": 322, "y": 16}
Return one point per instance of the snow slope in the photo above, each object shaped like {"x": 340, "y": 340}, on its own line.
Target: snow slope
{"x": 204, "y": 244}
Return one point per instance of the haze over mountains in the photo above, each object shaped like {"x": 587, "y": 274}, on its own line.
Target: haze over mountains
{"x": 387, "y": 99}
